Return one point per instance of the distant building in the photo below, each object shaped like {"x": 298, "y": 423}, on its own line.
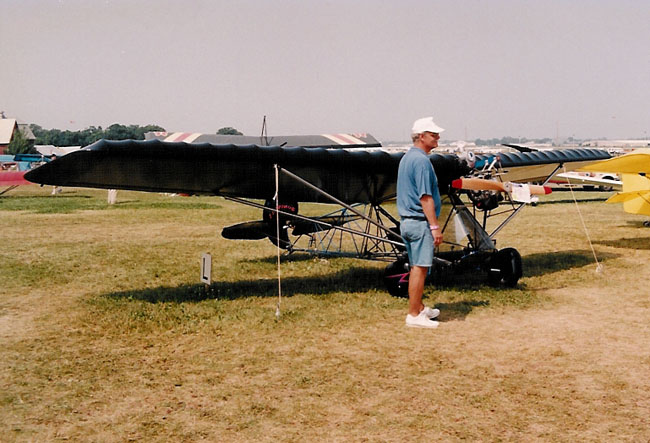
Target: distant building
{"x": 616, "y": 143}
{"x": 27, "y": 131}
{"x": 8, "y": 127}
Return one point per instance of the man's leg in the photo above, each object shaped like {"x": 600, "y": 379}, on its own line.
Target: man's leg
{"x": 417, "y": 276}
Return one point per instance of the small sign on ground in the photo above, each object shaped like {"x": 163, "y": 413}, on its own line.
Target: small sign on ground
{"x": 206, "y": 268}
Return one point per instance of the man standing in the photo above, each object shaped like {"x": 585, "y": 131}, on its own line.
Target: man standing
{"x": 418, "y": 204}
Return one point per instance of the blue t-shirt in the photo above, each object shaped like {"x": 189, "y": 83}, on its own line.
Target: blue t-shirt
{"x": 415, "y": 178}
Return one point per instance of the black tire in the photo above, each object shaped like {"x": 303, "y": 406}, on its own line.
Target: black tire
{"x": 396, "y": 278}
{"x": 505, "y": 268}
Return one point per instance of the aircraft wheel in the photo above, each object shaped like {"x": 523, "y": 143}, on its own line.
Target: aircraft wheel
{"x": 396, "y": 278}
{"x": 646, "y": 223}
{"x": 505, "y": 268}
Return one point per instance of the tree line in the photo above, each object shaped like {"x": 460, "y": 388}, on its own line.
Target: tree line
{"x": 21, "y": 145}
{"x": 90, "y": 135}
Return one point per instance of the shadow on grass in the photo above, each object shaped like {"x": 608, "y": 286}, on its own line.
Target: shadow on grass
{"x": 364, "y": 279}
{"x": 637, "y": 224}
{"x": 52, "y": 204}
{"x": 570, "y": 200}
{"x": 350, "y": 280}
{"x": 69, "y": 203}
{"x": 539, "y": 264}
{"x": 457, "y": 311}
{"x": 627, "y": 243}
{"x": 533, "y": 265}
{"x": 174, "y": 204}
{"x": 295, "y": 257}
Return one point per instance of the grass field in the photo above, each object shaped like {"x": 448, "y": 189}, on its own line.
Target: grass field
{"x": 107, "y": 335}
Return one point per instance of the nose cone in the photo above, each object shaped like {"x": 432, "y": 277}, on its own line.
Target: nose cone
{"x": 44, "y": 174}
{"x": 64, "y": 171}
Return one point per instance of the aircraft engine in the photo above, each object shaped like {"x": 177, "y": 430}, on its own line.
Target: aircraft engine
{"x": 269, "y": 216}
{"x": 485, "y": 200}
{"x": 259, "y": 229}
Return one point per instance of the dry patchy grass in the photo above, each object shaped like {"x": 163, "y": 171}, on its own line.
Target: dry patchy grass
{"x": 106, "y": 336}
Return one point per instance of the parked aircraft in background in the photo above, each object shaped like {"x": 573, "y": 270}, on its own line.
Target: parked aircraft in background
{"x": 602, "y": 181}
{"x": 13, "y": 168}
{"x": 361, "y": 140}
{"x": 634, "y": 169}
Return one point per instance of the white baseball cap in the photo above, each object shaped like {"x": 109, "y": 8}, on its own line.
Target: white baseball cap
{"x": 425, "y": 124}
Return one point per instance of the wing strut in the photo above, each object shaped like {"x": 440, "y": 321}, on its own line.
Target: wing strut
{"x": 339, "y": 202}
{"x": 521, "y": 205}
{"x": 324, "y": 223}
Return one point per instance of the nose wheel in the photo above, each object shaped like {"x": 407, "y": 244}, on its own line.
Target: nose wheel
{"x": 505, "y": 268}
{"x": 396, "y": 278}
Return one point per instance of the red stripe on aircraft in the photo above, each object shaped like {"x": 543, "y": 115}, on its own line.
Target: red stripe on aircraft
{"x": 350, "y": 139}
{"x": 182, "y": 137}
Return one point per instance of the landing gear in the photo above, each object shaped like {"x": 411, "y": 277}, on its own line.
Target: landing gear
{"x": 646, "y": 223}
{"x": 504, "y": 268}
{"x": 396, "y": 278}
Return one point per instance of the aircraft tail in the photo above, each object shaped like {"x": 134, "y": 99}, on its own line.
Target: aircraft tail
{"x": 635, "y": 196}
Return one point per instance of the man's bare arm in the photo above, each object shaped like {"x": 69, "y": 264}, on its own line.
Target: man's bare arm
{"x": 429, "y": 209}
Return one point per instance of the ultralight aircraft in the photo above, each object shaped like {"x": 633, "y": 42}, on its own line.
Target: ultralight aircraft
{"x": 359, "y": 182}
{"x": 634, "y": 169}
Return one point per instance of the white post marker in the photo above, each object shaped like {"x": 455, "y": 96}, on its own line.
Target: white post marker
{"x": 206, "y": 268}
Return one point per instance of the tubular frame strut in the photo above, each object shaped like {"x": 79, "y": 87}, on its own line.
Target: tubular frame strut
{"x": 374, "y": 245}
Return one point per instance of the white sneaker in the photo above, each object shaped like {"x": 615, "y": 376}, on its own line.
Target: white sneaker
{"x": 420, "y": 321}
{"x": 431, "y": 312}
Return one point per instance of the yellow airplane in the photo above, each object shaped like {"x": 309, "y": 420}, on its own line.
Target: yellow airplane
{"x": 634, "y": 169}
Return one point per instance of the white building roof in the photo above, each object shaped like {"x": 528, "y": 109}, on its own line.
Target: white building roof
{"x": 7, "y": 126}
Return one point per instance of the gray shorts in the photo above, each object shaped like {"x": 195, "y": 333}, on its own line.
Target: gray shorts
{"x": 418, "y": 240}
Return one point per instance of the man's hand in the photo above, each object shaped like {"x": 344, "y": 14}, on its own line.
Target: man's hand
{"x": 437, "y": 235}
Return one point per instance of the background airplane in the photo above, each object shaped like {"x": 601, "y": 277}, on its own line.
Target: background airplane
{"x": 13, "y": 168}
{"x": 634, "y": 169}
{"x": 358, "y": 140}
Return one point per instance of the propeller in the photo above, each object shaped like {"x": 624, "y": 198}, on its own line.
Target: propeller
{"x": 517, "y": 191}
{"x": 481, "y": 184}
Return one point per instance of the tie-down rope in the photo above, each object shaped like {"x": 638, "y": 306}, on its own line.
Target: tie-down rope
{"x": 277, "y": 236}
{"x": 599, "y": 267}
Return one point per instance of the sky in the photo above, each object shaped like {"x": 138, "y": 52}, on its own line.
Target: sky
{"x": 482, "y": 69}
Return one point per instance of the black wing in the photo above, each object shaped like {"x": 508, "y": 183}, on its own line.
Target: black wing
{"x": 247, "y": 171}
